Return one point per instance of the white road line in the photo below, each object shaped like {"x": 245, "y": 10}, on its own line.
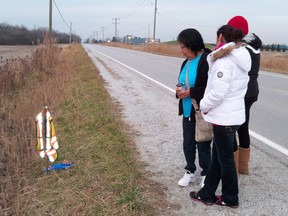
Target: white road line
{"x": 252, "y": 133}
{"x": 269, "y": 142}
{"x": 285, "y": 76}
{"x": 147, "y": 77}
{"x": 281, "y": 91}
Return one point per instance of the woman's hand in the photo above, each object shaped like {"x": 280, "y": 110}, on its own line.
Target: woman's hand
{"x": 183, "y": 94}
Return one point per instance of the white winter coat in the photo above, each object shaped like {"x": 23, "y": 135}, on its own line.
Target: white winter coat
{"x": 223, "y": 101}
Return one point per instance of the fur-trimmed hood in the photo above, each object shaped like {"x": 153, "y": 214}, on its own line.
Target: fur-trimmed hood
{"x": 235, "y": 52}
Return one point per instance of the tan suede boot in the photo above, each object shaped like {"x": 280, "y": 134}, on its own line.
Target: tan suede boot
{"x": 236, "y": 160}
{"x": 244, "y": 156}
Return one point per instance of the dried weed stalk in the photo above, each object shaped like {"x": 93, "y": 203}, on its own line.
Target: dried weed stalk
{"x": 26, "y": 85}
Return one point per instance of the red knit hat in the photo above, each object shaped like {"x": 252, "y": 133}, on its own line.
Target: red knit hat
{"x": 239, "y": 22}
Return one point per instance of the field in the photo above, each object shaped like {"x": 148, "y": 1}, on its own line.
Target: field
{"x": 270, "y": 61}
{"x": 274, "y": 61}
{"x": 11, "y": 52}
{"x": 8, "y": 53}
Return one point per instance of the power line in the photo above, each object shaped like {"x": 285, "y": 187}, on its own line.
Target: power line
{"x": 135, "y": 9}
{"x": 61, "y": 15}
{"x": 175, "y": 20}
{"x": 180, "y": 22}
{"x": 138, "y": 29}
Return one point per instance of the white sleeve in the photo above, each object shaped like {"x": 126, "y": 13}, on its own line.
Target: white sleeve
{"x": 221, "y": 77}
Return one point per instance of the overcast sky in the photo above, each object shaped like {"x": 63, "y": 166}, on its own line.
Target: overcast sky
{"x": 267, "y": 18}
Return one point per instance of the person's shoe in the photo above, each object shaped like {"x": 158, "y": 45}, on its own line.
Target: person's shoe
{"x": 220, "y": 202}
{"x": 194, "y": 196}
{"x": 202, "y": 181}
{"x": 187, "y": 178}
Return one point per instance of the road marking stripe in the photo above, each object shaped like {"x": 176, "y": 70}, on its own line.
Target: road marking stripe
{"x": 269, "y": 142}
{"x": 147, "y": 77}
{"x": 252, "y": 133}
{"x": 273, "y": 74}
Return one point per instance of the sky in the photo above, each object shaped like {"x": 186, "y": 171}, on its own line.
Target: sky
{"x": 95, "y": 19}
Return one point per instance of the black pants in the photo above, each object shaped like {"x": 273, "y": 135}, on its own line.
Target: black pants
{"x": 190, "y": 145}
{"x": 243, "y": 131}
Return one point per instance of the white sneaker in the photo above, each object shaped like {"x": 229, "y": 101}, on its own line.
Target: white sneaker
{"x": 187, "y": 178}
{"x": 202, "y": 181}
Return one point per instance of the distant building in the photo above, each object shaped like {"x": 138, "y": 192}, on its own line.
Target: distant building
{"x": 130, "y": 39}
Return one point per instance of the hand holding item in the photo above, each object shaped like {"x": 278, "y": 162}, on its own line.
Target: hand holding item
{"x": 181, "y": 90}
{"x": 180, "y": 87}
{"x": 184, "y": 94}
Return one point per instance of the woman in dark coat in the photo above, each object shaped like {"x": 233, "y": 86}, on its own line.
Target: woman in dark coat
{"x": 193, "y": 77}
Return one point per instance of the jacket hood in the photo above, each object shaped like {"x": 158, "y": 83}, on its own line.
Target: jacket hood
{"x": 238, "y": 54}
{"x": 253, "y": 40}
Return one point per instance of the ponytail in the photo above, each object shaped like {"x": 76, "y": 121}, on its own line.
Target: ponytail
{"x": 237, "y": 34}
{"x": 230, "y": 33}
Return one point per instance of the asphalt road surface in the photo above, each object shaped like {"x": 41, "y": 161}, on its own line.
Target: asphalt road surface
{"x": 145, "y": 83}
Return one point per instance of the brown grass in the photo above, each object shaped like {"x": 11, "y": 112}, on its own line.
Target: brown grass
{"x": 270, "y": 61}
{"x": 18, "y": 102}
{"x": 161, "y": 49}
{"x": 274, "y": 61}
{"x": 106, "y": 178}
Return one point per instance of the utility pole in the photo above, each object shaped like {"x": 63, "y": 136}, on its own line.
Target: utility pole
{"x": 96, "y": 33}
{"x": 70, "y": 33}
{"x": 50, "y": 22}
{"x": 148, "y": 33}
{"x": 96, "y": 36}
{"x": 103, "y": 29}
{"x": 116, "y": 27}
{"x": 155, "y": 20}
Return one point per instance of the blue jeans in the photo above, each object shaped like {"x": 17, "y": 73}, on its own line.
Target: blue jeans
{"x": 222, "y": 167}
{"x": 190, "y": 145}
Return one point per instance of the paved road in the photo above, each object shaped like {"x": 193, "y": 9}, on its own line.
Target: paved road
{"x": 144, "y": 86}
{"x": 269, "y": 115}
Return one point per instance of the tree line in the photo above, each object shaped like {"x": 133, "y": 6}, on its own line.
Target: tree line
{"x": 275, "y": 47}
{"x": 20, "y": 35}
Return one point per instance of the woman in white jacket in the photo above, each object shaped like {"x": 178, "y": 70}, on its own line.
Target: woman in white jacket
{"x": 223, "y": 106}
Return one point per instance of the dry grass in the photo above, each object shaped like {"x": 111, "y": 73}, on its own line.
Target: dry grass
{"x": 161, "y": 49}
{"x": 274, "y": 61}
{"x": 105, "y": 179}
{"x": 270, "y": 61}
{"x": 18, "y": 103}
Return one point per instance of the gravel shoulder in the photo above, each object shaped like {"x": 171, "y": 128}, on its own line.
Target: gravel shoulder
{"x": 152, "y": 112}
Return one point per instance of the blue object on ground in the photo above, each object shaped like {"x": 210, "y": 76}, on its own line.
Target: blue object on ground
{"x": 58, "y": 166}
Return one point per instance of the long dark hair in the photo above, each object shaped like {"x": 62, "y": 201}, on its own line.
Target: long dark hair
{"x": 230, "y": 33}
{"x": 192, "y": 39}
